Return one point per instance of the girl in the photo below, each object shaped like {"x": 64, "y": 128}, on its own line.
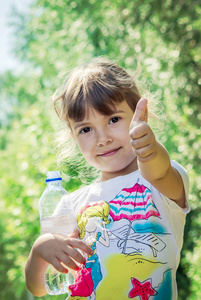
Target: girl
{"x": 146, "y": 192}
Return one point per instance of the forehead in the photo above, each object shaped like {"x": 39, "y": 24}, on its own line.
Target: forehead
{"x": 98, "y": 92}
{"x": 110, "y": 110}
{"x": 92, "y": 115}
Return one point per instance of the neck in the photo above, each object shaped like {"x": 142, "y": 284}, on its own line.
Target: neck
{"x": 129, "y": 169}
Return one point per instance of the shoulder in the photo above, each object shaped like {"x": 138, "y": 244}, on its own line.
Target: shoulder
{"x": 81, "y": 191}
{"x": 81, "y": 197}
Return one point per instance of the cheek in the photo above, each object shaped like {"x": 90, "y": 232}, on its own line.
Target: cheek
{"x": 81, "y": 142}
{"x": 123, "y": 134}
{"x": 85, "y": 149}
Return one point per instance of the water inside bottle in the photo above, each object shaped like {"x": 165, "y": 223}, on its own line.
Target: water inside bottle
{"x": 57, "y": 283}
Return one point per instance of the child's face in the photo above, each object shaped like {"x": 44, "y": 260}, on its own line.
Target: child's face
{"x": 104, "y": 141}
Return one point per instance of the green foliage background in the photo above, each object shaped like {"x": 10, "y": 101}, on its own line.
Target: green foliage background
{"x": 51, "y": 39}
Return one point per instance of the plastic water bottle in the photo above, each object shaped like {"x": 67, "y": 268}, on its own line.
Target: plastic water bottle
{"x": 53, "y": 220}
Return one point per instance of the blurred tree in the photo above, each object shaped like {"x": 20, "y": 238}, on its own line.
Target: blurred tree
{"x": 53, "y": 38}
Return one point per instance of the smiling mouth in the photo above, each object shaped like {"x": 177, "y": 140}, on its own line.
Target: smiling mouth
{"x": 109, "y": 152}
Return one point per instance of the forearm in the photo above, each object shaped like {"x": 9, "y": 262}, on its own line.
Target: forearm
{"x": 159, "y": 172}
{"x": 155, "y": 167}
{"x": 35, "y": 274}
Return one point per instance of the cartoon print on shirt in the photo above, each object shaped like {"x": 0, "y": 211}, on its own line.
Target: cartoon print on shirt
{"x": 142, "y": 289}
{"x": 90, "y": 219}
{"x": 135, "y": 204}
{"x": 137, "y": 244}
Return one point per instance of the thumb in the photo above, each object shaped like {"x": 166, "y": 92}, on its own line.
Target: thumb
{"x": 75, "y": 233}
{"x": 141, "y": 111}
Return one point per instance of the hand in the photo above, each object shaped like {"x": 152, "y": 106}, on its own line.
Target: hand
{"x": 57, "y": 249}
{"x": 142, "y": 137}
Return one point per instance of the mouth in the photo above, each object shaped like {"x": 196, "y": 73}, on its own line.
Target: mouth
{"x": 109, "y": 152}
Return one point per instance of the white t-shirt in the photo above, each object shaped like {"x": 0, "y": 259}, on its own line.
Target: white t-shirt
{"x": 136, "y": 234}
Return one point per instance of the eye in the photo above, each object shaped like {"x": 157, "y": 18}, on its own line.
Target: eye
{"x": 114, "y": 120}
{"x": 85, "y": 130}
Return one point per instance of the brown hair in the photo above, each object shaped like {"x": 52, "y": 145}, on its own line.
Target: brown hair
{"x": 98, "y": 84}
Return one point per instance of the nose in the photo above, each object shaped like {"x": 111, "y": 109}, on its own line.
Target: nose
{"x": 103, "y": 137}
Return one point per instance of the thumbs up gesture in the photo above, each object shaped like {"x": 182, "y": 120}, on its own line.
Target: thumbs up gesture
{"x": 142, "y": 137}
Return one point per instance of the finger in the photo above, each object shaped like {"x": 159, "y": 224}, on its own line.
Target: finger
{"x": 143, "y": 152}
{"x": 75, "y": 233}
{"x": 76, "y": 243}
{"x": 75, "y": 254}
{"x": 141, "y": 142}
{"x": 56, "y": 263}
{"x": 141, "y": 111}
{"x": 139, "y": 130}
{"x": 67, "y": 259}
